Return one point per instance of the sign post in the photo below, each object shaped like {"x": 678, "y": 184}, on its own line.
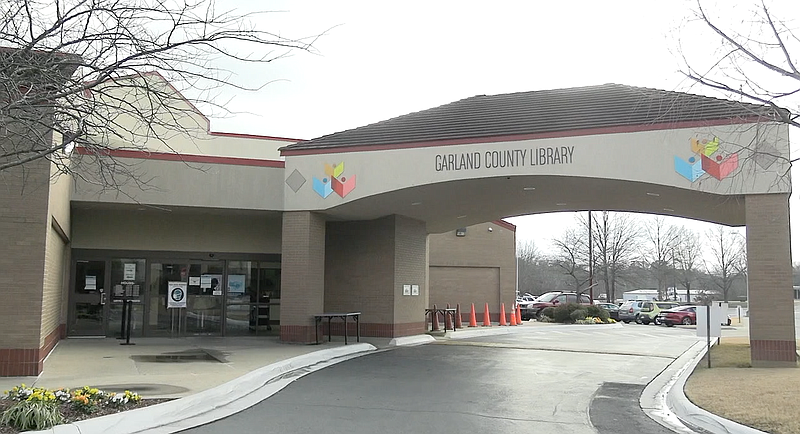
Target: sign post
{"x": 176, "y": 299}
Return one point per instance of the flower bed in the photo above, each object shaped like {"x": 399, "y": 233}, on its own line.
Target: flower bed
{"x": 26, "y": 408}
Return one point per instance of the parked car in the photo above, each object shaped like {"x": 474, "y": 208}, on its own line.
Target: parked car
{"x": 550, "y": 299}
{"x": 629, "y": 310}
{"x": 525, "y": 298}
{"x": 613, "y": 309}
{"x": 685, "y": 315}
{"x": 650, "y": 310}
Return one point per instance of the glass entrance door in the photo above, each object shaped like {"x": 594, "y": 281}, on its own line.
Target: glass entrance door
{"x": 203, "y": 312}
{"x": 89, "y": 299}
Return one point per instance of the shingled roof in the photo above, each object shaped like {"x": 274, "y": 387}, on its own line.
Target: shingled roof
{"x": 545, "y": 111}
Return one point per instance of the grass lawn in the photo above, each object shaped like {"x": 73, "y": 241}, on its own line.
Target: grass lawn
{"x": 762, "y": 398}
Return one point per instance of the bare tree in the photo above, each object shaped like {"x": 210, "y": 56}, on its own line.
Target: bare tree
{"x": 687, "y": 255}
{"x": 729, "y": 258}
{"x": 754, "y": 58}
{"x": 572, "y": 256}
{"x": 527, "y": 258}
{"x": 76, "y": 75}
{"x": 661, "y": 239}
{"x": 616, "y": 238}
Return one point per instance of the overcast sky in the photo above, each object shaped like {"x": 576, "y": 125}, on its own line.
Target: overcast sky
{"x": 377, "y": 60}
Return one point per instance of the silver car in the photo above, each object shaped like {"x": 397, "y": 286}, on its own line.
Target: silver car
{"x": 629, "y": 310}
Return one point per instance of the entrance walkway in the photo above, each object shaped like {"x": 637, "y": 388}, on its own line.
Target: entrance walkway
{"x": 162, "y": 367}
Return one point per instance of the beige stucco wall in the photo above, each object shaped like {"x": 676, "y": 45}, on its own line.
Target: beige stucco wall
{"x": 193, "y": 230}
{"x": 644, "y": 157}
{"x": 175, "y": 183}
{"x": 184, "y": 128}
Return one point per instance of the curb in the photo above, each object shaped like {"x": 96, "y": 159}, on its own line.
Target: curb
{"x": 694, "y": 416}
{"x": 411, "y": 340}
{"x": 215, "y": 403}
{"x": 475, "y": 332}
{"x": 654, "y": 397}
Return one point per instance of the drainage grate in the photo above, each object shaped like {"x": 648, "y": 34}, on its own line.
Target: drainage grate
{"x": 187, "y": 356}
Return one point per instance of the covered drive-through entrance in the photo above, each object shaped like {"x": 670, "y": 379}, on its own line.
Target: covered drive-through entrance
{"x": 359, "y": 204}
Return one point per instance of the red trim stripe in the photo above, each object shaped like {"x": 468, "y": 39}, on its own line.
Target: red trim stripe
{"x": 519, "y": 137}
{"x": 505, "y": 224}
{"x": 186, "y": 158}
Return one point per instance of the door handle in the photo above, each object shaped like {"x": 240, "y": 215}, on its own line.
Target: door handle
{"x": 102, "y": 299}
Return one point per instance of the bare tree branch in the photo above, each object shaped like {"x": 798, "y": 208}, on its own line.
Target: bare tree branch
{"x": 98, "y": 76}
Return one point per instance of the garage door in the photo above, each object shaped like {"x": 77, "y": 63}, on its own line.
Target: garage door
{"x": 465, "y": 285}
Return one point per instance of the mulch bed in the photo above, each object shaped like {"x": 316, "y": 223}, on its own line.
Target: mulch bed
{"x": 71, "y": 415}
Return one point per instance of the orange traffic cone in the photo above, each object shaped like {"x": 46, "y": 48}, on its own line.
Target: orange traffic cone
{"x": 434, "y": 320}
{"x": 458, "y": 317}
{"x": 472, "y": 321}
{"x": 519, "y": 315}
{"x": 503, "y": 314}
{"x": 513, "y": 318}
{"x": 448, "y": 322}
{"x": 487, "y": 322}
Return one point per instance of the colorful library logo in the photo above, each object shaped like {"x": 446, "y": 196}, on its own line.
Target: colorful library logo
{"x": 708, "y": 159}
{"x": 334, "y": 182}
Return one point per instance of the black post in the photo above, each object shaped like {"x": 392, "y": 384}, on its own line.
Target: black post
{"x": 122, "y": 320}
{"x": 127, "y": 306}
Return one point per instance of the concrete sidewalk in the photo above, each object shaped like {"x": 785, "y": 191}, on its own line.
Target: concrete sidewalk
{"x": 163, "y": 367}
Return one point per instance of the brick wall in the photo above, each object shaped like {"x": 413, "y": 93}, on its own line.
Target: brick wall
{"x": 302, "y": 274}
{"x": 464, "y": 269}
{"x": 366, "y": 265}
{"x": 23, "y": 227}
{"x": 772, "y": 331}
{"x": 53, "y": 284}
{"x": 410, "y": 268}
{"x": 359, "y": 268}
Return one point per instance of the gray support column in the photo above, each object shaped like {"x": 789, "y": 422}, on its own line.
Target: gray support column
{"x": 769, "y": 266}
{"x": 302, "y": 274}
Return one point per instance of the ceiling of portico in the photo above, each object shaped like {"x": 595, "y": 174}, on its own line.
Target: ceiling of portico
{"x": 449, "y": 205}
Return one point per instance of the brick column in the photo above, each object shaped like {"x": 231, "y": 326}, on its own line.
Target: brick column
{"x": 367, "y": 265}
{"x": 23, "y": 230}
{"x": 302, "y": 274}
{"x": 769, "y": 266}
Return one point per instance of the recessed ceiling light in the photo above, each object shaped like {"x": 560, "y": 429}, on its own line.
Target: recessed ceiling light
{"x": 416, "y": 203}
{"x": 561, "y": 204}
{"x": 669, "y": 210}
{"x": 653, "y": 194}
{"x": 528, "y": 188}
{"x": 461, "y": 216}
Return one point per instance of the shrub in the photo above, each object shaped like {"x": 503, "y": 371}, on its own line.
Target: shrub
{"x": 593, "y": 311}
{"x": 563, "y": 311}
{"x": 549, "y": 312}
{"x": 32, "y": 415}
{"x": 577, "y": 315}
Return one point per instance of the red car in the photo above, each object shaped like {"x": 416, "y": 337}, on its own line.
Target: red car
{"x": 686, "y": 315}
{"x": 533, "y": 309}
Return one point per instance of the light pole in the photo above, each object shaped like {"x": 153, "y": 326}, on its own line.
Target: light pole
{"x": 591, "y": 260}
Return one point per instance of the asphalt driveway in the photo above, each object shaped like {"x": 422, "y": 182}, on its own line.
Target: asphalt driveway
{"x": 549, "y": 380}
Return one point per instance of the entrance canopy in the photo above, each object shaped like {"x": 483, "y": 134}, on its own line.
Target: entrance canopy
{"x": 607, "y": 147}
